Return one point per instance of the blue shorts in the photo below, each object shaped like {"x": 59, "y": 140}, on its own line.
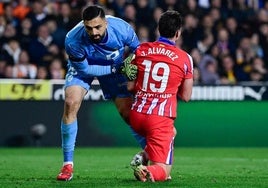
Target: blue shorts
{"x": 113, "y": 85}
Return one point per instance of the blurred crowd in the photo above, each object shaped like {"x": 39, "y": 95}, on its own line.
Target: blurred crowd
{"x": 228, "y": 39}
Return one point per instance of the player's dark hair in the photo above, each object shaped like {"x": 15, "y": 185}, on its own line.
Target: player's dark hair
{"x": 169, "y": 23}
{"x": 92, "y": 12}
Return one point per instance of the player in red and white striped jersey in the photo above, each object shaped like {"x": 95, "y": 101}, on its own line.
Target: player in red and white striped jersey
{"x": 165, "y": 72}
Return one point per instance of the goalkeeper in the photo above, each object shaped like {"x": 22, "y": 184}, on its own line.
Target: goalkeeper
{"x": 96, "y": 48}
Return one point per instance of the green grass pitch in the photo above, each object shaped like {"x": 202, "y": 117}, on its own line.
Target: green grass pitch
{"x": 109, "y": 167}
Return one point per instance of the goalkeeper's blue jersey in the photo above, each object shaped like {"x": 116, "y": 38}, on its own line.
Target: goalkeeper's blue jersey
{"x": 120, "y": 35}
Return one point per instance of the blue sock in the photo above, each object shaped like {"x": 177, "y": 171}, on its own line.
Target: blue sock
{"x": 68, "y": 136}
{"x": 140, "y": 139}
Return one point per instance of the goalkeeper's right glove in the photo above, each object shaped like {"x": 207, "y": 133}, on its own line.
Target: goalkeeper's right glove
{"x": 129, "y": 69}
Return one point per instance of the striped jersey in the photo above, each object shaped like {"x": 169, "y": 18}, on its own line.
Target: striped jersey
{"x": 162, "y": 67}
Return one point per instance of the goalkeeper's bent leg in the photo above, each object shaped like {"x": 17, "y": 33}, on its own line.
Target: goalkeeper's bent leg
{"x": 140, "y": 139}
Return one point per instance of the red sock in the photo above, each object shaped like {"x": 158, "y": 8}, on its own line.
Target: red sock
{"x": 158, "y": 172}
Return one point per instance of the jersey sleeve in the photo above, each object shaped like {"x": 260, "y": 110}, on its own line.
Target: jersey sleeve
{"x": 77, "y": 59}
{"x": 127, "y": 34}
{"x": 188, "y": 68}
{"x": 75, "y": 52}
{"x": 132, "y": 39}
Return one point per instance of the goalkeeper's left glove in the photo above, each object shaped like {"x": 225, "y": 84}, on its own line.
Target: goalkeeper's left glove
{"x": 129, "y": 69}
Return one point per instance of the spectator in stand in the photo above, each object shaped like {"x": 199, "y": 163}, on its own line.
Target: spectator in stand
{"x": 1, "y": 8}
{"x": 118, "y": 6}
{"x": 2, "y": 26}
{"x": 51, "y": 7}
{"x": 3, "y": 64}
{"x": 197, "y": 76}
{"x": 265, "y": 6}
{"x": 204, "y": 43}
{"x": 37, "y": 14}
{"x": 25, "y": 33}
{"x": 227, "y": 70}
{"x": 144, "y": 12}
{"x": 208, "y": 67}
{"x": 262, "y": 16}
{"x": 215, "y": 52}
{"x": 65, "y": 18}
{"x": 196, "y": 55}
{"x": 21, "y": 10}
{"x": 189, "y": 33}
{"x": 255, "y": 45}
{"x": 8, "y": 14}
{"x": 255, "y": 4}
{"x": 222, "y": 6}
{"x": 263, "y": 38}
{"x": 8, "y": 71}
{"x": 58, "y": 33}
{"x": 259, "y": 22}
{"x": 40, "y": 46}
{"x": 256, "y": 77}
{"x": 223, "y": 43}
{"x": 10, "y": 33}
{"x": 235, "y": 32}
{"x": 204, "y": 4}
{"x": 56, "y": 70}
{"x": 244, "y": 55}
{"x": 216, "y": 16}
{"x": 258, "y": 70}
{"x": 169, "y": 4}
{"x": 130, "y": 14}
{"x": 11, "y": 51}
{"x": 191, "y": 7}
{"x": 109, "y": 11}
{"x": 143, "y": 33}
{"x": 205, "y": 27}
{"x": 243, "y": 14}
{"x": 24, "y": 69}
{"x": 42, "y": 72}
{"x": 154, "y": 33}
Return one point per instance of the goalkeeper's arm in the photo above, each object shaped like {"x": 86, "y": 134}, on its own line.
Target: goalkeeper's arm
{"x": 85, "y": 70}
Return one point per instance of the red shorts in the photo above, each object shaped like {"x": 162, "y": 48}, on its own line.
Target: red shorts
{"x": 159, "y": 134}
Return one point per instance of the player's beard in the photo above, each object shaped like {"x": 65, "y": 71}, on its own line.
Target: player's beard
{"x": 96, "y": 38}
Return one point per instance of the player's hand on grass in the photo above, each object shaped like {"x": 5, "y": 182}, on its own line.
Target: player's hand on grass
{"x": 129, "y": 69}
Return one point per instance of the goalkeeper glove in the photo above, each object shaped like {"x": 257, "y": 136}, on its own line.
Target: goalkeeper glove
{"x": 129, "y": 69}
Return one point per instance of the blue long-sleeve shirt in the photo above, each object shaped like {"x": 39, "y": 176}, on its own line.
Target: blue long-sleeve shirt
{"x": 100, "y": 56}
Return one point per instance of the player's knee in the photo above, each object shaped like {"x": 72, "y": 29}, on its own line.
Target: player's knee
{"x": 71, "y": 107}
{"x": 71, "y": 103}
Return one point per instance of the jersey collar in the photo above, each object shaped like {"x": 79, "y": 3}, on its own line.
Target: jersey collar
{"x": 165, "y": 40}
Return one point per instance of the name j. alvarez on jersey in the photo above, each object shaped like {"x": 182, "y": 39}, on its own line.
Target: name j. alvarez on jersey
{"x": 160, "y": 51}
